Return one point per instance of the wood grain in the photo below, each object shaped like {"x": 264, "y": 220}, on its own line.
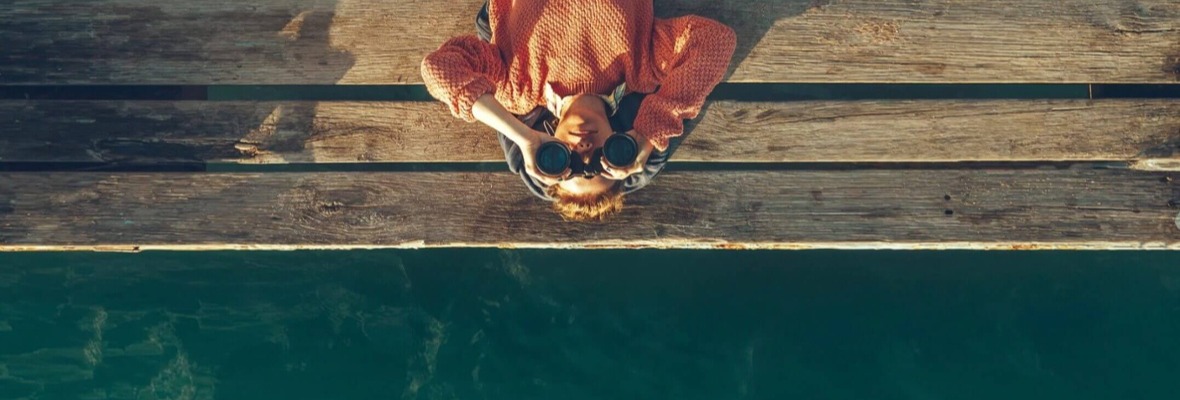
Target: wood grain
{"x": 1030, "y": 208}
{"x": 382, "y": 42}
{"x": 829, "y": 131}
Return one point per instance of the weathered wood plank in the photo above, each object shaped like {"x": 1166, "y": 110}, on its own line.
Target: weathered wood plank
{"x": 864, "y": 131}
{"x": 382, "y": 42}
{"x": 1032, "y": 208}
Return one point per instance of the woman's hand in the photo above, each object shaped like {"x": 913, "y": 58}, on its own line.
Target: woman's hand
{"x": 532, "y": 141}
{"x": 492, "y": 114}
{"x": 645, "y": 149}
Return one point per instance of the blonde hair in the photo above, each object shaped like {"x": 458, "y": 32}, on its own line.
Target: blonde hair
{"x": 595, "y": 207}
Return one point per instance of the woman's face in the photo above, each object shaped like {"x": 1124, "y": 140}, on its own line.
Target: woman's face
{"x": 584, "y": 127}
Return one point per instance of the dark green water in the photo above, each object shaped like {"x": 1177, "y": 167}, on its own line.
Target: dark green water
{"x": 489, "y": 324}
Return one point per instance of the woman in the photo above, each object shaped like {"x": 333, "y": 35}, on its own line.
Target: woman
{"x": 596, "y": 66}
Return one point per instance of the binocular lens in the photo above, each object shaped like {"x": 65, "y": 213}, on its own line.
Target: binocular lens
{"x": 620, "y": 151}
{"x": 553, "y": 158}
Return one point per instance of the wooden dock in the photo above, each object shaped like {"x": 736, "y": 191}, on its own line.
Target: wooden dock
{"x": 930, "y": 174}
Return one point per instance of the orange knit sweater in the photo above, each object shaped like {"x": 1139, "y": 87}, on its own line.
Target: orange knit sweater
{"x": 585, "y": 46}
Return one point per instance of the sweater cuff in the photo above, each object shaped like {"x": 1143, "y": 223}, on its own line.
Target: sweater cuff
{"x": 658, "y": 132}
{"x": 661, "y": 143}
{"x": 465, "y": 98}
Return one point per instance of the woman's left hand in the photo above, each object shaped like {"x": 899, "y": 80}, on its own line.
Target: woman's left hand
{"x": 645, "y": 150}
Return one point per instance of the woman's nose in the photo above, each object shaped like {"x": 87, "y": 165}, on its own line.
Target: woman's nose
{"x": 584, "y": 151}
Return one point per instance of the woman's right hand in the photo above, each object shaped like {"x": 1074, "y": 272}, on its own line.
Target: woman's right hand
{"x": 528, "y": 149}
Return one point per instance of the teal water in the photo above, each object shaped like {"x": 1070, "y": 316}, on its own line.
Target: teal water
{"x": 491, "y": 324}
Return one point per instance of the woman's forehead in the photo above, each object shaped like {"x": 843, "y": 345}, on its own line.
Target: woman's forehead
{"x": 579, "y": 185}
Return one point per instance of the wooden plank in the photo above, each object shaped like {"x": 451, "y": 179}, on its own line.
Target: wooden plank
{"x": 862, "y": 131}
{"x": 1029, "y": 208}
{"x": 382, "y": 42}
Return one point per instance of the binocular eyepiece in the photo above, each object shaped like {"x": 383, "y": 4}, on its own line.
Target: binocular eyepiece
{"x": 555, "y": 158}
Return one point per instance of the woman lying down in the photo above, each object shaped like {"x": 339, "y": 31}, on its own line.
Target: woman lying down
{"x": 590, "y": 97}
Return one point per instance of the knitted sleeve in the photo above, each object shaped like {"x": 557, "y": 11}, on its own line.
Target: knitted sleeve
{"x": 460, "y": 71}
{"x": 691, "y": 54}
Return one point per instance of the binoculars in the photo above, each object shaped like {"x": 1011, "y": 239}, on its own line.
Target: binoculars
{"x": 555, "y": 158}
